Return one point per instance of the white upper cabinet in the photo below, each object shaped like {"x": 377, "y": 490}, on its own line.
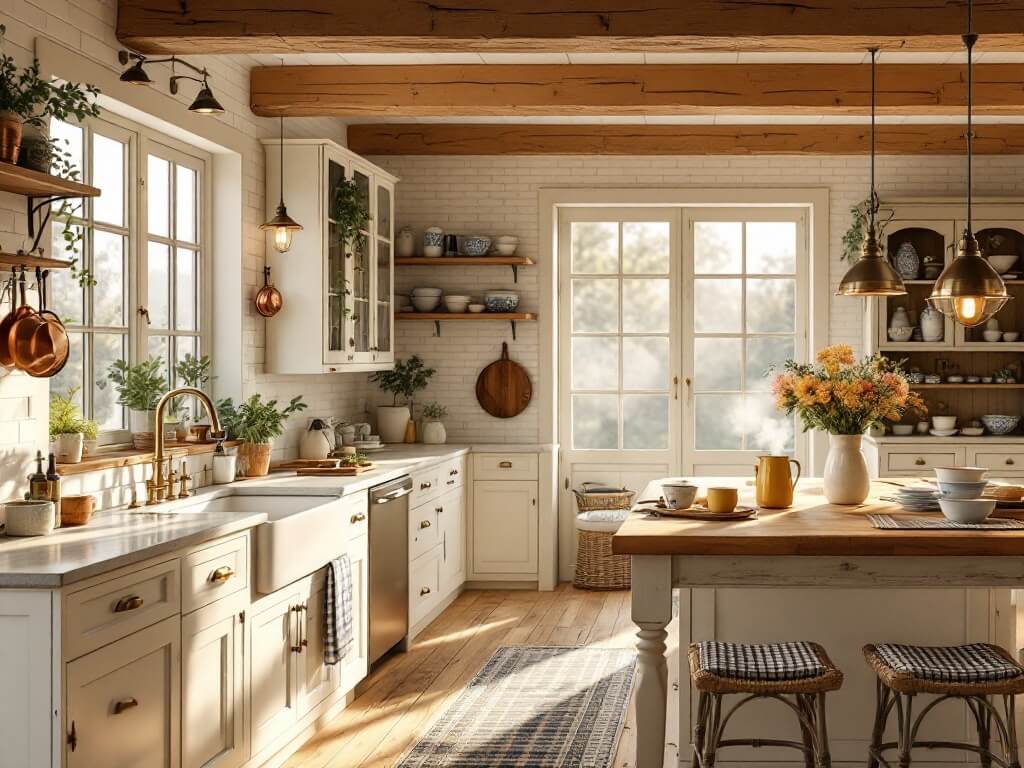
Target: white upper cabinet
{"x": 338, "y": 294}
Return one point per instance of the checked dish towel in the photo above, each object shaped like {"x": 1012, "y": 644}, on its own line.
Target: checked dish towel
{"x": 338, "y": 610}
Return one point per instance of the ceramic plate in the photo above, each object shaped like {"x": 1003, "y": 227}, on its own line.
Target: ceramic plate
{"x": 701, "y": 513}
{"x": 942, "y": 432}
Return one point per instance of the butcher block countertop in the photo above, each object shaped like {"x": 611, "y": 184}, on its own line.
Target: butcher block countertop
{"x": 811, "y": 527}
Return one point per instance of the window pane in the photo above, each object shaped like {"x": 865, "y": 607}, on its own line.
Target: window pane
{"x": 595, "y": 306}
{"x": 107, "y": 348}
{"x": 185, "y": 205}
{"x": 718, "y": 422}
{"x": 65, "y": 296}
{"x": 183, "y": 345}
{"x": 160, "y": 347}
{"x": 595, "y": 247}
{"x": 763, "y": 352}
{"x": 158, "y": 193}
{"x": 185, "y": 292}
{"x": 645, "y": 306}
{"x": 717, "y": 247}
{"x": 108, "y": 175}
{"x": 109, "y": 270}
{"x": 645, "y": 247}
{"x": 69, "y": 140}
{"x": 645, "y": 362}
{"x": 595, "y": 422}
{"x": 158, "y": 289}
{"x": 645, "y": 422}
{"x": 72, "y": 374}
{"x": 766, "y": 428}
{"x": 716, "y": 364}
{"x": 771, "y": 247}
{"x": 771, "y": 305}
{"x": 717, "y": 305}
{"x": 595, "y": 363}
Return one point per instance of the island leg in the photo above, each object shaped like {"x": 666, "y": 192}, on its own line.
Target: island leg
{"x": 652, "y": 611}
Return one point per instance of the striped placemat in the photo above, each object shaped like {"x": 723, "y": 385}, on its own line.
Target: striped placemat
{"x": 890, "y": 522}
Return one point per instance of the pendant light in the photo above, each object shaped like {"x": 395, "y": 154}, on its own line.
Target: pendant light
{"x": 969, "y": 289}
{"x": 282, "y": 225}
{"x": 872, "y": 275}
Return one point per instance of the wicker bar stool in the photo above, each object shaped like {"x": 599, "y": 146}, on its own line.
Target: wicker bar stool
{"x": 974, "y": 673}
{"x": 797, "y": 674}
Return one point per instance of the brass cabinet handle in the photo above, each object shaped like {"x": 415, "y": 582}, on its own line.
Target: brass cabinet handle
{"x": 920, "y": 462}
{"x": 505, "y": 465}
{"x": 130, "y": 603}
{"x": 73, "y": 737}
{"x": 450, "y": 482}
{"x": 358, "y": 517}
{"x": 297, "y": 610}
{"x": 222, "y": 574}
{"x": 425, "y": 485}
{"x": 1009, "y": 462}
{"x": 438, "y": 510}
{"x": 125, "y": 704}
{"x": 453, "y": 473}
{"x": 424, "y": 591}
{"x": 424, "y": 524}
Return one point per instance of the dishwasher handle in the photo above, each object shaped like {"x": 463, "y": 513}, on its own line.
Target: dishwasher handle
{"x": 388, "y": 498}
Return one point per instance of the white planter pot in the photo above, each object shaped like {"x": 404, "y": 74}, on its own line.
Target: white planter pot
{"x": 391, "y": 422}
{"x": 434, "y": 433}
{"x": 846, "y": 471}
{"x": 68, "y": 448}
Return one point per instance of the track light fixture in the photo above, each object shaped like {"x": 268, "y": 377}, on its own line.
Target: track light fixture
{"x": 205, "y": 103}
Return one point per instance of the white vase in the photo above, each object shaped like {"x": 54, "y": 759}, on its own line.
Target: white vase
{"x": 68, "y": 448}
{"x": 933, "y": 324}
{"x": 434, "y": 433}
{"x": 846, "y": 471}
{"x": 391, "y": 422}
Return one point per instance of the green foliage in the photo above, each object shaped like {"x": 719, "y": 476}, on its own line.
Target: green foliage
{"x": 256, "y": 421}
{"x": 406, "y": 379}
{"x": 138, "y": 387}
{"x": 434, "y": 411}
{"x": 853, "y": 238}
{"x": 194, "y": 371}
{"x": 350, "y": 209}
{"x": 61, "y": 161}
{"x": 66, "y": 417}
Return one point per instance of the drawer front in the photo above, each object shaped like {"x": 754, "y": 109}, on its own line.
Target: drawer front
{"x": 214, "y": 572}
{"x": 922, "y": 461}
{"x": 423, "y": 528}
{"x": 1000, "y": 462}
{"x": 425, "y": 486}
{"x": 452, "y": 474}
{"x": 356, "y": 509}
{"x": 99, "y": 615}
{"x": 424, "y": 576}
{"x": 505, "y": 466}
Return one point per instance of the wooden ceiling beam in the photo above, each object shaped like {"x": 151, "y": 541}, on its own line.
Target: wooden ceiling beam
{"x": 320, "y": 26}
{"x": 524, "y": 139}
{"x": 433, "y": 90}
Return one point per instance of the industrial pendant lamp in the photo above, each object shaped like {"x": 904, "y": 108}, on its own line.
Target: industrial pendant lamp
{"x": 872, "y": 275}
{"x": 282, "y": 225}
{"x": 969, "y": 289}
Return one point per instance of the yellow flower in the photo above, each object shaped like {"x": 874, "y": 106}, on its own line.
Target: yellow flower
{"x": 835, "y": 357}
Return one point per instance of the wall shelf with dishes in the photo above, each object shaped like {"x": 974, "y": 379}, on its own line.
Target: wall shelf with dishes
{"x": 440, "y": 249}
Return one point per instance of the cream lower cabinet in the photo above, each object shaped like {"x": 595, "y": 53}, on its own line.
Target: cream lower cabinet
{"x": 317, "y": 680}
{"x": 26, "y": 625}
{"x": 273, "y": 644}
{"x": 451, "y": 518}
{"x": 355, "y": 666}
{"x": 123, "y": 702}
{"x": 505, "y": 527}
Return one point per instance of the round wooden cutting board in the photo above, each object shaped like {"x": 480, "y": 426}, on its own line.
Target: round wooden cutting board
{"x": 503, "y": 388}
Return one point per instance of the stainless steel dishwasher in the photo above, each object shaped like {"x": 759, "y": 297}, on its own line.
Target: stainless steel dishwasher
{"x": 389, "y": 565}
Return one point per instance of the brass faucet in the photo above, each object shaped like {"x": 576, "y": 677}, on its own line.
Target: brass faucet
{"x": 159, "y": 478}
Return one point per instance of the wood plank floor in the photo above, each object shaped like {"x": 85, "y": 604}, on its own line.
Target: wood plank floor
{"x": 401, "y": 698}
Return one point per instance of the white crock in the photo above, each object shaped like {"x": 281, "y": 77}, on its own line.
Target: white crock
{"x": 68, "y": 448}
{"x": 846, "y": 471}
{"x": 434, "y": 433}
{"x": 391, "y": 422}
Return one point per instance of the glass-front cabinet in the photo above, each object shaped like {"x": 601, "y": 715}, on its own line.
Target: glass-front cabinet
{"x": 338, "y": 290}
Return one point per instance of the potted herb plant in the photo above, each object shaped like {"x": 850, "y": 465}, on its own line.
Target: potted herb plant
{"x": 69, "y": 428}
{"x": 191, "y": 371}
{"x": 138, "y": 388}
{"x": 406, "y": 379}
{"x": 256, "y": 423}
{"x": 433, "y": 429}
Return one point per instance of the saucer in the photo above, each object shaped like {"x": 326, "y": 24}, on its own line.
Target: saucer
{"x": 942, "y": 432}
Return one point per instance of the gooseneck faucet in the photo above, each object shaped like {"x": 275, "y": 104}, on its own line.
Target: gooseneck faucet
{"x": 159, "y": 479}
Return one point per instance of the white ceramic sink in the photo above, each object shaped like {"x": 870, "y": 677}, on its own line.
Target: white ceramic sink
{"x": 274, "y": 506}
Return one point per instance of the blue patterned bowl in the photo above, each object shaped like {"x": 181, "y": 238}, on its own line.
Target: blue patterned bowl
{"x": 999, "y": 424}
{"x": 501, "y": 302}
{"x": 474, "y": 245}
{"x": 433, "y": 238}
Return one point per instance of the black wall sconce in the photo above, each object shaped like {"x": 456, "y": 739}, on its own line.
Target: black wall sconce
{"x": 205, "y": 103}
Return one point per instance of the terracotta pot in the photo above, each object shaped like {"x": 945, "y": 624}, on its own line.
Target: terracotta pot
{"x": 256, "y": 458}
{"x": 10, "y": 137}
{"x": 76, "y": 510}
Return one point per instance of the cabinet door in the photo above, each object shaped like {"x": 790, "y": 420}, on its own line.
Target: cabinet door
{"x": 505, "y": 527}
{"x": 316, "y": 680}
{"x": 212, "y": 692}
{"x": 123, "y": 702}
{"x": 337, "y": 266}
{"x": 355, "y": 666}
{"x": 383, "y": 276}
{"x": 25, "y": 716}
{"x": 452, "y": 519}
{"x": 363, "y": 259}
{"x": 273, "y": 686}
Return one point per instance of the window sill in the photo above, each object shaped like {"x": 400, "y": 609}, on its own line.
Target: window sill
{"x": 110, "y": 458}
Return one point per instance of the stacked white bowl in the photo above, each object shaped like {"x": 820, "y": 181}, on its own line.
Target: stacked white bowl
{"x": 456, "y": 304}
{"x": 425, "y": 299}
{"x": 960, "y": 494}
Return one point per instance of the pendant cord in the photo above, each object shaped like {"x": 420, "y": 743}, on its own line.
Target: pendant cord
{"x": 969, "y": 40}
{"x": 873, "y": 206}
{"x": 281, "y": 170}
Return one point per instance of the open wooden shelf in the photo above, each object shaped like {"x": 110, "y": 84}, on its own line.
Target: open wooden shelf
{"x": 471, "y": 261}
{"x": 27, "y": 261}
{"x": 438, "y": 316}
{"x": 24, "y": 181}
{"x": 965, "y": 385}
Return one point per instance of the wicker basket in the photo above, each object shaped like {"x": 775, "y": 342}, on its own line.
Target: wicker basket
{"x": 588, "y": 501}
{"x": 596, "y": 567}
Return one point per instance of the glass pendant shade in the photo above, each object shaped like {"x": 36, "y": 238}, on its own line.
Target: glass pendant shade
{"x": 282, "y": 226}
{"x": 872, "y": 275}
{"x": 969, "y": 289}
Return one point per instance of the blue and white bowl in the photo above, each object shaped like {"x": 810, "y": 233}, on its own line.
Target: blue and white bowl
{"x": 962, "y": 490}
{"x": 1000, "y": 424}
{"x": 501, "y": 301}
{"x": 474, "y": 245}
{"x": 433, "y": 236}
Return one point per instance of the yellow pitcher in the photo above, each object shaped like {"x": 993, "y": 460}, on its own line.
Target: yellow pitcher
{"x": 775, "y": 481}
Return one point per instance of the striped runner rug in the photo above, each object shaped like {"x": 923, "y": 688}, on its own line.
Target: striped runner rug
{"x": 535, "y": 706}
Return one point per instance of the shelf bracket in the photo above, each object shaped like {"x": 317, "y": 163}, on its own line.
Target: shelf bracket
{"x": 513, "y": 324}
{"x": 515, "y": 273}
{"x": 35, "y": 207}
{"x": 437, "y": 328}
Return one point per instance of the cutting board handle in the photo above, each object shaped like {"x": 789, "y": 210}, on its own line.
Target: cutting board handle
{"x": 504, "y": 350}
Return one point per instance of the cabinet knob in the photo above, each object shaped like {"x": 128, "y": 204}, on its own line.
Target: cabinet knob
{"x": 505, "y": 464}
{"x": 424, "y": 591}
{"x": 424, "y": 524}
{"x": 920, "y": 462}
{"x": 130, "y": 603}
{"x": 125, "y": 704}
{"x": 357, "y": 518}
{"x": 222, "y": 574}
{"x": 450, "y": 482}
{"x": 1009, "y": 462}
{"x": 439, "y": 510}
{"x": 425, "y": 486}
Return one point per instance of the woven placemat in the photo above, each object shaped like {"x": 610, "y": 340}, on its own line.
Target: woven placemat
{"x": 889, "y": 522}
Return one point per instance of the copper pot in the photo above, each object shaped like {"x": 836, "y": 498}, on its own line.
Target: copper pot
{"x": 10, "y": 137}
{"x": 6, "y": 358}
{"x": 19, "y": 339}
{"x": 50, "y": 340}
{"x": 268, "y": 300}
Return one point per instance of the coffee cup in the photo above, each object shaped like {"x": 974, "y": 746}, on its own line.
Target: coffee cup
{"x": 678, "y": 495}
{"x": 722, "y": 500}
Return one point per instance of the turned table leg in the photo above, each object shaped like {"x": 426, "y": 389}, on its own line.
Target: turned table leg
{"x": 652, "y": 611}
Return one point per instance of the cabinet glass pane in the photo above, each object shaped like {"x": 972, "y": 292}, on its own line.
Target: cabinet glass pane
{"x": 384, "y": 278}
{"x": 363, "y": 186}
{"x": 337, "y": 261}
{"x": 384, "y": 212}
{"x": 361, "y": 292}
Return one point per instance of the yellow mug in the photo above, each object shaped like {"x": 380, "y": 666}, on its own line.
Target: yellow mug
{"x": 722, "y": 500}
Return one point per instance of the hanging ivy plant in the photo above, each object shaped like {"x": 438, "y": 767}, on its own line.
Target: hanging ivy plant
{"x": 853, "y": 238}
{"x": 350, "y": 209}
{"x": 71, "y": 234}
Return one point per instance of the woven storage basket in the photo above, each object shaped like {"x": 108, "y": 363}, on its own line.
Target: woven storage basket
{"x": 596, "y": 567}
{"x": 588, "y": 501}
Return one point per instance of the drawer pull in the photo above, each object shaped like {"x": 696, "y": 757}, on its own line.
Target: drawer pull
{"x": 130, "y": 603}
{"x": 125, "y": 704}
{"x": 358, "y": 517}
{"x": 920, "y": 462}
{"x": 1009, "y": 462}
{"x": 450, "y": 482}
{"x": 505, "y": 464}
{"x": 73, "y": 737}
{"x": 453, "y": 473}
{"x": 424, "y": 591}
{"x": 425, "y": 485}
{"x": 222, "y": 574}
{"x": 424, "y": 524}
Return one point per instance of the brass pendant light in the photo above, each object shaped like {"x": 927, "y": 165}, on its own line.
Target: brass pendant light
{"x": 969, "y": 289}
{"x": 282, "y": 225}
{"x": 872, "y": 275}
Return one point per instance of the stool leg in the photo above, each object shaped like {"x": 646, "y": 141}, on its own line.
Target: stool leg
{"x": 699, "y": 729}
{"x": 904, "y": 711}
{"x": 984, "y": 719}
{"x": 878, "y": 730}
{"x": 1012, "y": 751}
{"x": 708, "y": 757}
{"x": 804, "y": 705}
{"x": 824, "y": 755}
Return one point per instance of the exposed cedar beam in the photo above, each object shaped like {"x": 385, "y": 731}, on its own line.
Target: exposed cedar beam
{"x": 523, "y": 139}
{"x": 317, "y": 26}
{"x": 629, "y": 89}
